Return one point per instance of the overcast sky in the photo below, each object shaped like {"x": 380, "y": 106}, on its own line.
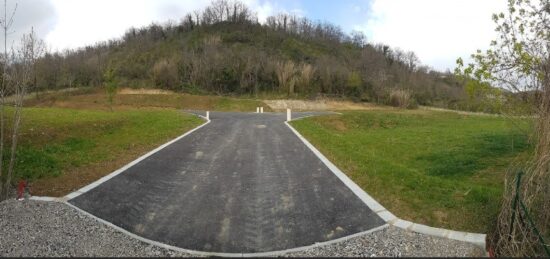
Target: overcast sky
{"x": 439, "y": 31}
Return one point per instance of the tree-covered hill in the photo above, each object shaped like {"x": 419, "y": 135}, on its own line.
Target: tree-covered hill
{"x": 223, "y": 49}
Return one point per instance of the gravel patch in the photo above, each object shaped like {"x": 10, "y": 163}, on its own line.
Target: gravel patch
{"x": 37, "y": 228}
{"x": 393, "y": 241}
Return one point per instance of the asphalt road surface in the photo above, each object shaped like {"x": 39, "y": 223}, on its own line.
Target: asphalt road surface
{"x": 244, "y": 183}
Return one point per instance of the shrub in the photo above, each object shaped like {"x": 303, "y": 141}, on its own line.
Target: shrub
{"x": 402, "y": 99}
{"x": 165, "y": 74}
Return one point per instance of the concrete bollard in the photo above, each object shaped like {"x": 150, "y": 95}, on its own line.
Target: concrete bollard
{"x": 257, "y": 109}
{"x": 288, "y": 115}
{"x": 261, "y": 109}
{"x": 207, "y": 115}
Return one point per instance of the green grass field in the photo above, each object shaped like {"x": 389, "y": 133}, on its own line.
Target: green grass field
{"x": 437, "y": 168}
{"x": 96, "y": 99}
{"x": 70, "y": 138}
{"x": 64, "y": 149}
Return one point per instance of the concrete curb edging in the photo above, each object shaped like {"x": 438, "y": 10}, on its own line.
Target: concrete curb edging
{"x": 122, "y": 169}
{"x": 47, "y": 198}
{"x": 473, "y": 238}
{"x": 201, "y": 253}
{"x": 387, "y": 216}
{"x": 89, "y": 187}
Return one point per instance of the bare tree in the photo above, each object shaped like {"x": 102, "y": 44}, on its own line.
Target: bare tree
{"x": 286, "y": 75}
{"x": 411, "y": 60}
{"x": 20, "y": 78}
{"x": 358, "y": 38}
{"x": 305, "y": 76}
{"x": 249, "y": 74}
{"x": 165, "y": 74}
{"x": 17, "y": 76}
{"x": 6, "y": 22}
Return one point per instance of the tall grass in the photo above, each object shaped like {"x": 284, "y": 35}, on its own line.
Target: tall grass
{"x": 401, "y": 98}
{"x": 524, "y": 223}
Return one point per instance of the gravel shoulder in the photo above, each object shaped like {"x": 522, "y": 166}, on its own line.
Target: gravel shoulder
{"x": 394, "y": 242}
{"x": 37, "y": 228}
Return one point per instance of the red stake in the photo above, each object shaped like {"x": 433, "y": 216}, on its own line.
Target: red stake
{"x": 21, "y": 189}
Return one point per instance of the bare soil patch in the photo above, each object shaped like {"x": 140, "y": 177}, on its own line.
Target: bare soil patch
{"x": 143, "y": 91}
{"x": 318, "y": 105}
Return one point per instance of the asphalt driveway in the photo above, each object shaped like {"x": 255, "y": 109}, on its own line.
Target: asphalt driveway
{"x": 243, "y": 183}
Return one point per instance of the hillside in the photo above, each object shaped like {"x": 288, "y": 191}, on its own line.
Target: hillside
{"x": 224, "y": 50}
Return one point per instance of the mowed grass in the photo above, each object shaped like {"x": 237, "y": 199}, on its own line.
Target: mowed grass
{"x": 437, "y": 168}
{"x": 62, "y": 150}
{"x": 96, "y": 99}
{"x": 70, "y": 137}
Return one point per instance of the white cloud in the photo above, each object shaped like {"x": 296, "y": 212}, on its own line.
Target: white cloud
{"x": 262, "y": 9}
{"x": 38, "y": 15}
{"x": 84, "y": 22}
{"x": 439, "y": 31}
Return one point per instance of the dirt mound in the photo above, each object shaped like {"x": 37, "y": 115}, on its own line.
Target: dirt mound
{"x": 143, "y": 91}
{"x": 319, "y": 105}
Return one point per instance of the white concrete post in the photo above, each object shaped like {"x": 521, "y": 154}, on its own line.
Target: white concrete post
{"x": 262, "y": 109}
{"x": 257, "y": 109}
{"x": 207, "y": 115}
{"x": 288, "y": 115}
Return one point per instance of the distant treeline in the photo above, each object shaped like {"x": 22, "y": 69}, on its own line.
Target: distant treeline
{"x": 223, "y": 49}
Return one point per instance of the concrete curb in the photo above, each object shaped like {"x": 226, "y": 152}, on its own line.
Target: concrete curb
{"x": 48, "y": 199}
{"x": 473, "y": 238}
{"x": 477, "y": 239}
{"x": 89, "y": 187}
{"x": 201, "y": 253}
{"x": 122, "y": 169}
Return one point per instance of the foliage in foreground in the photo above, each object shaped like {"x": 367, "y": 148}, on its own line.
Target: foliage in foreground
{"x": 519, "y": 61}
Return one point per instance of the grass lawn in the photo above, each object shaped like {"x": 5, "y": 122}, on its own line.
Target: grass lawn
{"x": 70, "y": 138}
{"x": 96, "y": 99}
{"x": 437, "y": 168}
{"x": 62, "y": 150}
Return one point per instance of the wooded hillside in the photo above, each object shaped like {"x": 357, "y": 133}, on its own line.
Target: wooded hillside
{"x": 223, "y": 49}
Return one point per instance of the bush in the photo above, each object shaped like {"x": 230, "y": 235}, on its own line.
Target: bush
{"x": 402, "y": 99}
{"x": 165, "y": 74}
